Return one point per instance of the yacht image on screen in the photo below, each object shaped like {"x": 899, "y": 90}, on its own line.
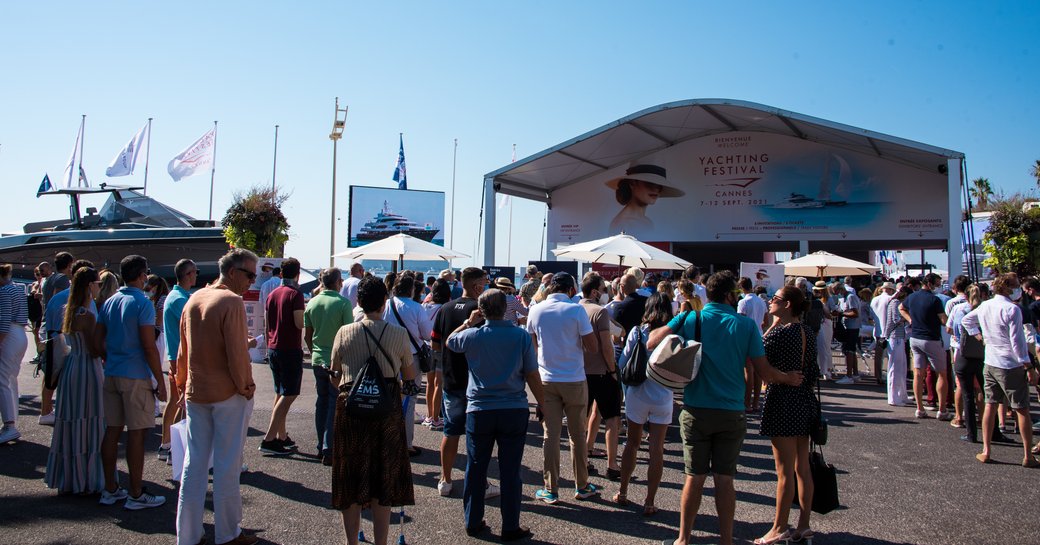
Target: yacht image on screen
{"x": 386, "y": 224}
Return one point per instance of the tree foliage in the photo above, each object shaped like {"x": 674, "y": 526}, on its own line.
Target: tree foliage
{"x": 255, "y": 222}
{"x": 1013, "y": 239}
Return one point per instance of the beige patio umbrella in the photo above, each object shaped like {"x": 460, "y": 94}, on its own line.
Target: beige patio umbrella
{"x": 622, "y": 250}
{"x": 400, "y": 247}
{"x": 821, "y": 264}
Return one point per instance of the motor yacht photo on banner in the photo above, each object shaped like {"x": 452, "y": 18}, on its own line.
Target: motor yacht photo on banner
{"x": 750, "y": 187}
{"x": 378, "y": 212}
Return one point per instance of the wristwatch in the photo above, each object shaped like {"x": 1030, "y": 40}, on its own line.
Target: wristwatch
{"x": 335, "y": 374}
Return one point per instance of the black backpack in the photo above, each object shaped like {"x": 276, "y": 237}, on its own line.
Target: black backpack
{"x": 371, "y": 394}
{"x": 634, "y": 373}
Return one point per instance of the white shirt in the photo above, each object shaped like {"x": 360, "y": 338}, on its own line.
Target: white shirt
{"x": 698, "y": 290}
{"x": 559, "y": 325}
{"x": 753, "y": 307}
{"x": 414, "y": 317}
{"x": 349, "y": 289}
{"x": 879, "y": 304}
{"x": 1000, "y": 322}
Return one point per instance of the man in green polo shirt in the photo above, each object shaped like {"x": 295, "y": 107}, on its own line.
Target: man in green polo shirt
{"x": 325, "y": 314}
{"x": 712, "y": 423}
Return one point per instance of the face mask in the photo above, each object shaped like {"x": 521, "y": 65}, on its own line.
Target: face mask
{"x": 1016, "y": 294}
{"x": 603, "y": 299}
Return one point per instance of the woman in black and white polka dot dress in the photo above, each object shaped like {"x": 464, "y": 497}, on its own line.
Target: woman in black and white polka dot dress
{"x": 789, "y": 411}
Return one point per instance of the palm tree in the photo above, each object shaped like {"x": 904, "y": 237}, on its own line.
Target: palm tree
{"x": 1034, "y": 171}
{"x": 981, "y": 191}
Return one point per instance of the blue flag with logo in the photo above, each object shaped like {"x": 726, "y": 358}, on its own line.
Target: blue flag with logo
{"x": 45, "y": 186}
{"x": 400, "y": 173}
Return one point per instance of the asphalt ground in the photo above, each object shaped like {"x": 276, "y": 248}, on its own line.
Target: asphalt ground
{"x": 901, "y": 480}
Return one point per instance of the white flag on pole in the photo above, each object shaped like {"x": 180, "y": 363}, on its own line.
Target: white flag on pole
{"x": 71, "y": 174}
{"x": 126, "y": 159}
{"x": 197, "y": 158}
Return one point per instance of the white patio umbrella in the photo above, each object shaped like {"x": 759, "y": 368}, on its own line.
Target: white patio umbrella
{"x": 400, "y": 247}
{"x": 624, "y": 251}
{"x": 820, "y": 264}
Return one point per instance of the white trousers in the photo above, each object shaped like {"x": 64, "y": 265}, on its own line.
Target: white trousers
{"x": 218, "y": 429}
{"x": 823, "y": 347}
{"x": 12, "y": 350}
{"x": 897, "y": 372}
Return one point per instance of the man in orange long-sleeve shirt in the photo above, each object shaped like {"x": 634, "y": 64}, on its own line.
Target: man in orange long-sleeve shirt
{"x": 213, "y": 371}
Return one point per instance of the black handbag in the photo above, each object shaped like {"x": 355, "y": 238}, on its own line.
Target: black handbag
{"x": 818, "y": 428}
{"x": 634, "y": 372}
{"x": 825, "y": 483}
{"x": 371, "y": 394}
{"x": 422, "y": 350}
{"x": 970, "y": 346}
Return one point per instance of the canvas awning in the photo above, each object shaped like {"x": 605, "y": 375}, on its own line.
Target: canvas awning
{"x": 660, "y": 127}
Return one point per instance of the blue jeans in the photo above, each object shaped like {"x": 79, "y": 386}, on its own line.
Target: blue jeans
{"x": 508, "y": 428}
{"x": 324, "y": 408}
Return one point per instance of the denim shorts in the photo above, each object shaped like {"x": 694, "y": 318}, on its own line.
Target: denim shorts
{"x": 287, "y": 370}
{"x": 454, "y": 413}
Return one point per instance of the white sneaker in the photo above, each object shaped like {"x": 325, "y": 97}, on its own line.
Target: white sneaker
{"x": 920, "y": 414}
{"x": 47, "y": 419}
{"x": 144, "y": 501}
{"x": 845, "y": 380}
{"x": 8, "y": 434}
{"x": 943, "y": 415}
{"x": 444, "y": 488}
{"x": 493, "y": 491}
{"x": 109, "y": 498}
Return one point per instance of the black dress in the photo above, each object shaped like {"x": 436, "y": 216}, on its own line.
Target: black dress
{"x": 789, "y": 411}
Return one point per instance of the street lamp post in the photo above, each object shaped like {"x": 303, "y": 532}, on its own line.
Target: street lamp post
{"x": 337, "y": 132}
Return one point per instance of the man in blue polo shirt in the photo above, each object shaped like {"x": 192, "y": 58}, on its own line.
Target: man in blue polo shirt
{"x": 926, "y": 315}
{"x": 712, "y": 423}
{"x": 126, "y": 332}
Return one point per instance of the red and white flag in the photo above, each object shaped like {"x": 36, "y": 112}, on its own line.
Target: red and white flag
{"x": 197, "y": 158}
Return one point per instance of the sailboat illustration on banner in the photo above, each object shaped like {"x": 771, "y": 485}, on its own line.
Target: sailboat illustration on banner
{"x": 801, "y": 201}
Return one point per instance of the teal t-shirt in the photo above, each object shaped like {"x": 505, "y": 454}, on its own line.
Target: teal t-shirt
{"x": 728, "y": 339}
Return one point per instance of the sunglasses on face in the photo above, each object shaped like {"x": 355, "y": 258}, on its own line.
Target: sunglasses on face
{"x": 776, "y": 299}
{"x": 249, "y": 274}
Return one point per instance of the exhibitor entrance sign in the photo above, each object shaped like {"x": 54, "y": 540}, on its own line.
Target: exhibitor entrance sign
{"x": 754, "y": 187}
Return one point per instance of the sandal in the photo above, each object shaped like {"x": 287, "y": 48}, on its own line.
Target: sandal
{"x": 649, "y": 510}
{"x": 620, "y": 499}
{"x": 597, "y": 453}
{"x": 1036, "y": 449}
{"x": 982, "y": 458}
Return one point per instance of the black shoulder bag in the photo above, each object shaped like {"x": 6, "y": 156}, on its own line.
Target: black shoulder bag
{"x": 371, "y": 395}
{"x": 422, "y": 350}
{"x": 634, "y": 372}
{"x": 818, "y": 429}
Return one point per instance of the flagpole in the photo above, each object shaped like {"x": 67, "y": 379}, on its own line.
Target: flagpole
{"x": 454, "y": 156}
{"x": 82, "y": 135}
{"x": 213, "y": 171}
{"x": 274, "y": 169}
{"x": 146, "y": 154}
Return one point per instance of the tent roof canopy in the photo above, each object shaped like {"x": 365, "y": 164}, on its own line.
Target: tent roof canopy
{"x": 653, "y": 129}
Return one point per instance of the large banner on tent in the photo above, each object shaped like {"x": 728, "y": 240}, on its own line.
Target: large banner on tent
{"x": 767, "y": 275}
{"x": 378, "y": 212}
{"x": 747, "y": 187}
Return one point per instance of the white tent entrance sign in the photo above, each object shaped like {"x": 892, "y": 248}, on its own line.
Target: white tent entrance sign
{"x": 725, "y": 181}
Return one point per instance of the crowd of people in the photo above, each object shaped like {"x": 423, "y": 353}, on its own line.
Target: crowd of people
{"x": 484, "y": 349}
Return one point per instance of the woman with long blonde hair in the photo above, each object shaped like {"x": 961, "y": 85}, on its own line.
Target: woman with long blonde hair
{"x": 74, "y": 461}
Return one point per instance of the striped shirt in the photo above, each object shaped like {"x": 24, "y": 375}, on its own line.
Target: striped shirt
{"x": 514, "y": 309}
{"x": 14, "y": 307}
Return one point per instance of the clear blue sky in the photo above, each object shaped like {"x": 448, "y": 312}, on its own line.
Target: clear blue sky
{"x": 957, "y": 75}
